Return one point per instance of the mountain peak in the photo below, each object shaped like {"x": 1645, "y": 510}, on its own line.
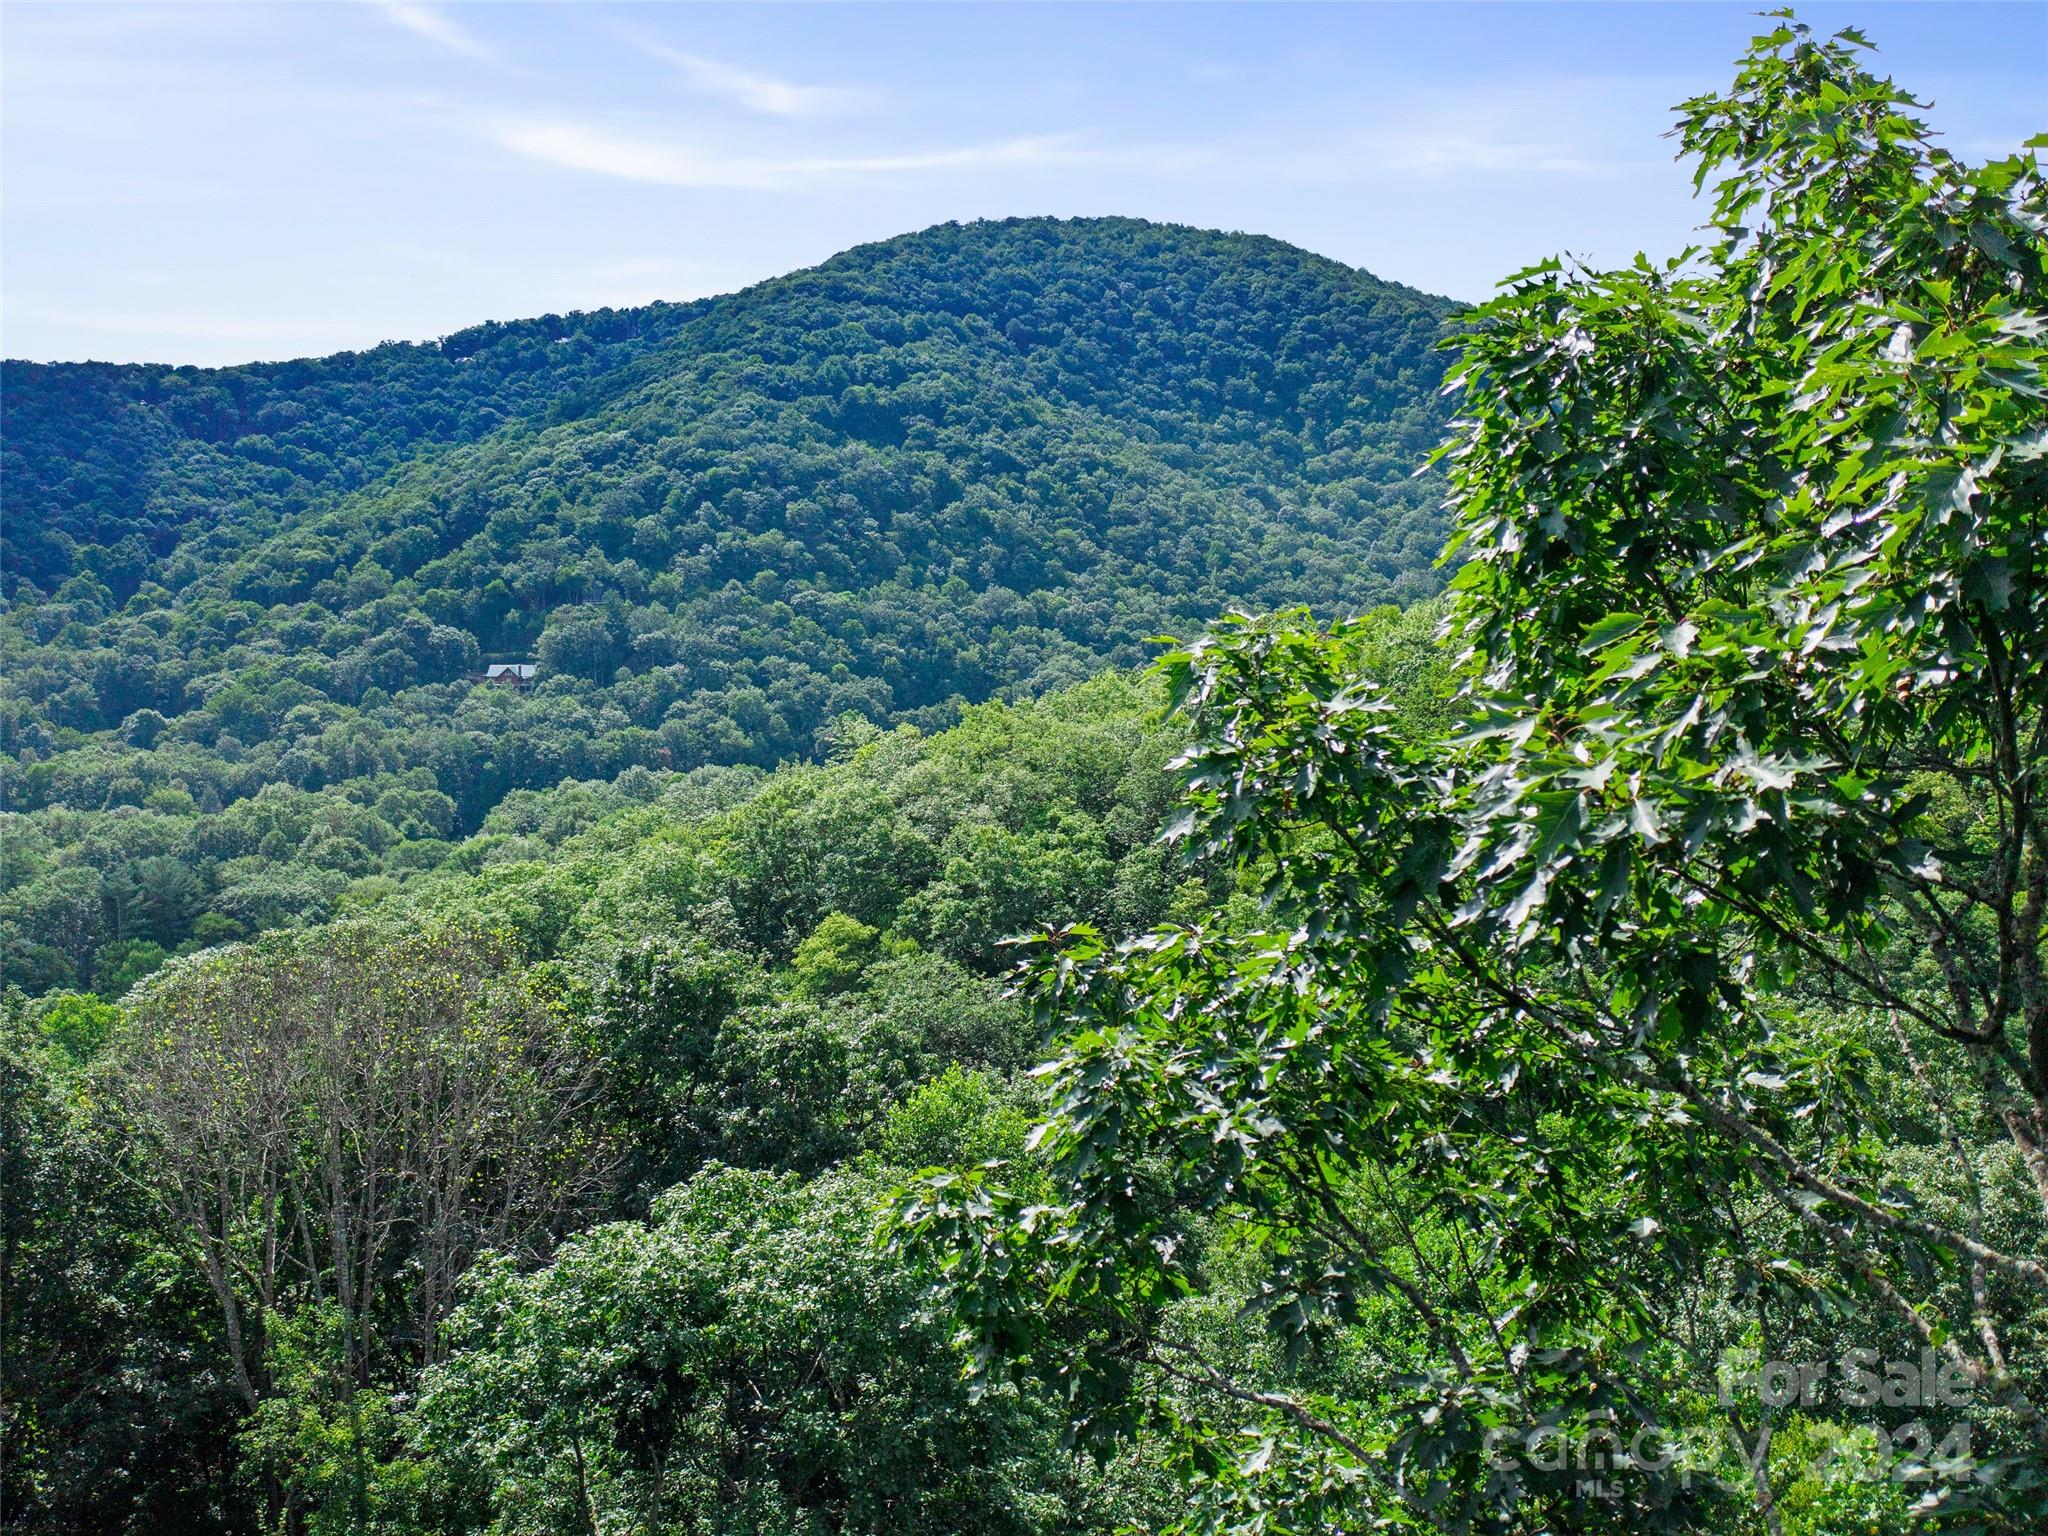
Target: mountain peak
{"x": 973, "y": 461}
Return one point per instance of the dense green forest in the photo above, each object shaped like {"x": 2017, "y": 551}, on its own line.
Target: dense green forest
{"x": 781, "y": 976}
{"x": 975, "y": 462}
{"x": 1551, "y": 1041}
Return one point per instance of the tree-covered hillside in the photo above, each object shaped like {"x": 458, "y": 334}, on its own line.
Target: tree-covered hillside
{"x": 109, "y": 467}
{"x": 1565, "y": 1057}
{"x": 757, "y": 978}
{"x": 974, "y": 462}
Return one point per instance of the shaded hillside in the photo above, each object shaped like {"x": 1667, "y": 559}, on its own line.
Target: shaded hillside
{"x": 110, "y": 466}
{"x": 972, "y": 462}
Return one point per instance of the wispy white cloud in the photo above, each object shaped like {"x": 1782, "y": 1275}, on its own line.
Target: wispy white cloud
{"x": 581, "y": 146}
{"x": 1559, "y": 129}
{"x": 1428, "y": 154}
{"x": 1373, "y": 153}
{"x": 436, "y": 25}
{"x": 755, "y": 91}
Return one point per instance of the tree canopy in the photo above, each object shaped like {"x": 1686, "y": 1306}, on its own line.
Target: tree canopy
{"x": 1677, "y": 990}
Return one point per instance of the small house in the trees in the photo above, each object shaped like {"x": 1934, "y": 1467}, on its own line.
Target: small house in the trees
{"x": 507, "y": 674}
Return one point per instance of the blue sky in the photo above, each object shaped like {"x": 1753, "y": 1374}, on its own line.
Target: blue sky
{"x": 218, "y": 183}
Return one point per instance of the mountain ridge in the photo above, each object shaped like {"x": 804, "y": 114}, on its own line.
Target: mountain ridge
{"x": 980, "y": 461}
{"x": 604, "y": 339}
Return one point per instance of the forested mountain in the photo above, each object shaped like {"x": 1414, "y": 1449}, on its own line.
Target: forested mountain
{"x": 1568, "y": 1054}
{"x": 973, "y": 462}
{"x": 110, "y": 467}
